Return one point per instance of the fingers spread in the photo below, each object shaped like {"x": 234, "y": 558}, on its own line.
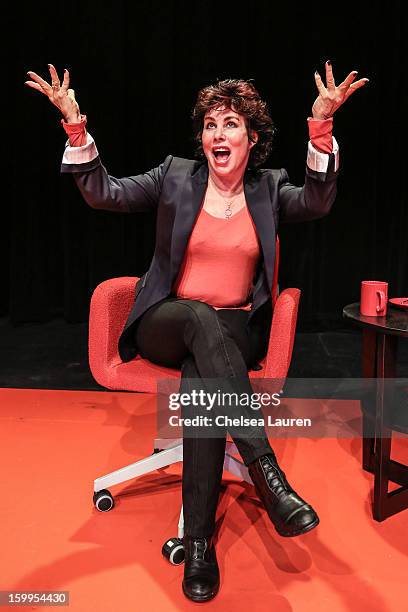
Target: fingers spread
{"x": 330, "y": 84}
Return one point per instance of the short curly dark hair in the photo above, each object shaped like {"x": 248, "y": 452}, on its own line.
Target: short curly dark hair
{"x": 242, "y": 97}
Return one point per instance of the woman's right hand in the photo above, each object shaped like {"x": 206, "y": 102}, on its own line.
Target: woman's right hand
{"x": 62, "y": 97}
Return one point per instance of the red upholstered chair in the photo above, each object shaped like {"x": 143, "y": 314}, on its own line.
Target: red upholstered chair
{"x": 111, "y": 303}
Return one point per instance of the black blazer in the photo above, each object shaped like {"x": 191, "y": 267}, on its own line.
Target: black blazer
{"x": 176, "y": 189}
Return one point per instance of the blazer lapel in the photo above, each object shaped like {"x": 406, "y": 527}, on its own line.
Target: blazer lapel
{"x": 260, "y": 207}
{"x": 186, "y": 214}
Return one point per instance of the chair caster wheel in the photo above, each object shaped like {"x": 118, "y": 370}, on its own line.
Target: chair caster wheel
{"x": 173, "y": 550}
{"x": 103, "y": 500}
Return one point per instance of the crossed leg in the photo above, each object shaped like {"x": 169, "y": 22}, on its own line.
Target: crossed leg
{"x": 210, "y": 344}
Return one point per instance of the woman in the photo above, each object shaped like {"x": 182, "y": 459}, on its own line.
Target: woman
{"x": 207, "y": 291}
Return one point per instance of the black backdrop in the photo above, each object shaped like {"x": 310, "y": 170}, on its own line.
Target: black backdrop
{"x": 136, "y": 68}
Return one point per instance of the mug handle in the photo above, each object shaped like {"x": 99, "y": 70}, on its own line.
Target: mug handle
{"x": 382, "y": 303}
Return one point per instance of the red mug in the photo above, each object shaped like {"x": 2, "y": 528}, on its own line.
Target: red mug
{"x": 374, "y": 298}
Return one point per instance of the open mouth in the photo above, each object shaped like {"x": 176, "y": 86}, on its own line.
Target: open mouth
{"x": 221, "y": 154}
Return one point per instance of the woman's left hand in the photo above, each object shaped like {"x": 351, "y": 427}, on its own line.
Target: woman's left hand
{"x": 332, "y": 96}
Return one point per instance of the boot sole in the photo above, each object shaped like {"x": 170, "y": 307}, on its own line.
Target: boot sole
{"x": 201, "y": 599}
{"x": 299, "y": 531}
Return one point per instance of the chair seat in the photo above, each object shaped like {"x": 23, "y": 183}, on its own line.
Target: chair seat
{"x": 142, "y": 375}
{"x": 139, "y": 374}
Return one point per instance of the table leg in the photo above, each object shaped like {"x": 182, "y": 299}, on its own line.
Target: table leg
{"x": 369, "y": 367}
{"x": 385, "y": 368}
{"x": 368, "y": 445}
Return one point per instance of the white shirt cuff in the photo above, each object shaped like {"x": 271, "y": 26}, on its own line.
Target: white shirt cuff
{"x": 80, "y": 155}
{"x": 318, "y": 161}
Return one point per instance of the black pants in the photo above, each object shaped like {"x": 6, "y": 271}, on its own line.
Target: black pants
{"x": 204, "y": 343}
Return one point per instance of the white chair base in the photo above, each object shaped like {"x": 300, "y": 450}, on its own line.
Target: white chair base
{"x": 171, "y": 451}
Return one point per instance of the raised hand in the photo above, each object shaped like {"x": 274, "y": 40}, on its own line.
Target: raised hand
{"x": 332, "y": 96}
{"x": 60, "y": 95}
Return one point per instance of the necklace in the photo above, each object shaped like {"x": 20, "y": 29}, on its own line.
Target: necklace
{"x": 228, "y": 201}
{"x": 228, "y": 210}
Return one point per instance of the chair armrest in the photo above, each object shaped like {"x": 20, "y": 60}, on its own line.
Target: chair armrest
{"x": 110, "y": 306}
{"x": 282, "y": 335}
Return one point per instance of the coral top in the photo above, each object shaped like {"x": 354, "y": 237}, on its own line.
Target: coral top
{"x": 220, "y": 261}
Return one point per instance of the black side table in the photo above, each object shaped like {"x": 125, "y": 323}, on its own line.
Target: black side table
{"x": 380, "y": 340}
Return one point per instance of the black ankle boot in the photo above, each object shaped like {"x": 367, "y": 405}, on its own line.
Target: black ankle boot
{"x": 201, "y": 574}
{"x": 290, "y": 514}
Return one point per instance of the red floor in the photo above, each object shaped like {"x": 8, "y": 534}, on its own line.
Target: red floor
{"x": 54, "y": 443}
